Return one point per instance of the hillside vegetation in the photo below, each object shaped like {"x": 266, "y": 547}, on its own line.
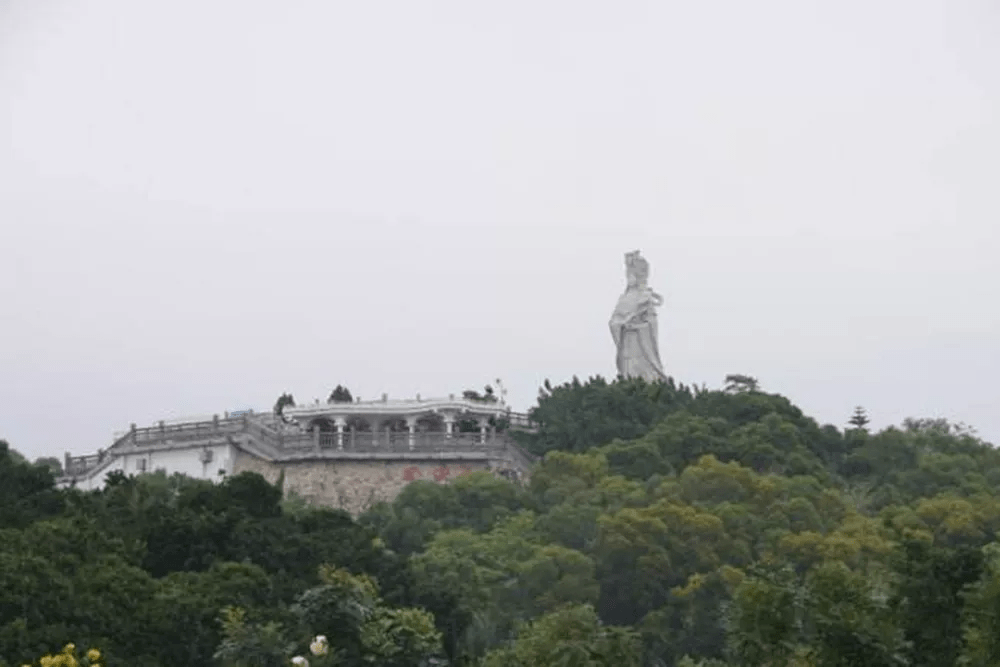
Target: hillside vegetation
{"x": 665, "y": 526}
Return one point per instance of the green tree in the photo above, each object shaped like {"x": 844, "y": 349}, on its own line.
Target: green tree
{"x": 852, "y": 623}
{"x": 859, "y": 419}
{"x": 14, "y": 455}
{"x": 400, "y": 638}
{"x": 250, "y": 644}
{"x": 929, "y": 598}
{"x": 569, "y": 637}
{"x": 480, "y": 585}
{"x": 284, "y": 401}
{"x": 360, "y": 627}
{"x": 50, "y": 462}
{"x": 340, "y": 394}
{"x": 981, "y": 614}
{"x": 186, "y": 605}
{"x": 578, "y": 416}
{"x": 27, "y": 492}
{"x": 737, "y": 384}
{"x": 477, "y": 501}
{"x": 765, "y": 617}
{"x": 61, "y": 580}
{"x": 488, "y": 396}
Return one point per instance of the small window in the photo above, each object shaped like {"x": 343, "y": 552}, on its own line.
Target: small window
{"x": 140, "y": 465}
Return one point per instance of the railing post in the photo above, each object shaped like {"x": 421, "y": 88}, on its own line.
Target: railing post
{"x": 411, "y": 425}
{"x": 315, "y": 430}
{"x": 340, "y": 422}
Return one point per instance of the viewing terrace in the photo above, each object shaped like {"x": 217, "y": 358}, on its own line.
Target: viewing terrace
{"x": 452, "y": 428}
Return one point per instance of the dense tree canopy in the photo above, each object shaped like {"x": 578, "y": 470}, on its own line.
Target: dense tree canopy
{"x": 340, "y": 394}
{"x": 284, "y": 401}
{"x": 665, "y": 525}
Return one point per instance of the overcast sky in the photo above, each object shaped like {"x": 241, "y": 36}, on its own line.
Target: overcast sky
{"x": 204, "y": 204}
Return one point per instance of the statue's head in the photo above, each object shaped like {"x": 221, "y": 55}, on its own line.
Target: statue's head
{"x": 636, "y": 269}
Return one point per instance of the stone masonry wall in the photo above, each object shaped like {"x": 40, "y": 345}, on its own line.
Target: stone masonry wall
{"x": 353, "y": 485}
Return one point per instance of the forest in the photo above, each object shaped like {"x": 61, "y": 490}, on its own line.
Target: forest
{"x": 665, "y": 526}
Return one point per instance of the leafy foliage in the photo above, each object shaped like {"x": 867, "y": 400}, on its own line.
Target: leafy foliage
{"x": 50, "y": 462}
{"x": 859, "y": 419}
{"x": 665, "y": 526}
{"x": 570, "y": 636}
{"x": 340, "y": 394}
{"x": 284, "y": 401}
{"x": 737, "y": 383}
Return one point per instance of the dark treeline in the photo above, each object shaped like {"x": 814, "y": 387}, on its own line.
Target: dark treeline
{"x": 666, "y": 526}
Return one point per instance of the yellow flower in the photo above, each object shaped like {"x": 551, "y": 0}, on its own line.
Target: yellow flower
{"x": 93, "y": 655}
{"x": 69, "y": 648}
{"x": 48, "y": 661}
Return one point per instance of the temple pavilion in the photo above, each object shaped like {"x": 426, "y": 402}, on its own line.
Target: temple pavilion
{"x": 411, "y": 421}
{"x": 463, "y": 430}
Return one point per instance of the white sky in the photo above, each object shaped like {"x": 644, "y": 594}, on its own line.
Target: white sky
{"x": 204, "y": 204}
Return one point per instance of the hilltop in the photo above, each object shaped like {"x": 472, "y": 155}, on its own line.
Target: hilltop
{"x": 665, "y": 525}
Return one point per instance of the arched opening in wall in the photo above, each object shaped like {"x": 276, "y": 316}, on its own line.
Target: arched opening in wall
{"x": 467, "y": 424}
{"x": 393, "y": 430}
{"x": 430, "y": 430}
{"x": 357, "y": 431}
{"x": 396, "y": 425}
{"x": 325, "y": 425}
{"x": 358, "y": 425}
{"x": 430, "y": 423}
{"x": 327, "y": 430}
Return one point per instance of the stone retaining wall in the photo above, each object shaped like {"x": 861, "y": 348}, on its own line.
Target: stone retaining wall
{"x": 353, "y": 485}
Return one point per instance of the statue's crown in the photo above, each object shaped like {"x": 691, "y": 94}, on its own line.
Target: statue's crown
{"x": 636, "y": 262}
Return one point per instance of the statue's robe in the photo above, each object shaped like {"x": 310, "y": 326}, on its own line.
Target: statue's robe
{"x": 634, "y": 330}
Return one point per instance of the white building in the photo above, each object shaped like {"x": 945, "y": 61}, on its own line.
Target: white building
{"x": 405, "y": 432}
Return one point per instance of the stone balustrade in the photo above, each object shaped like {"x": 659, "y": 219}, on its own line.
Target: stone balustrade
{"x": 279, "y": 439}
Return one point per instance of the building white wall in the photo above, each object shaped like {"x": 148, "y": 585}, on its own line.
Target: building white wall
{"x": 96, "y": 481}
{"x": 184, "y": 460}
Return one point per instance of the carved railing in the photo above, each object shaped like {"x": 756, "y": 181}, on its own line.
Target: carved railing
{"x": 394, "y": 442}
{"x": 204, "y": 430}
{"x": 520, "y": 421}
{"x": 165, "y": 434}
{"x": 519, "y": 457}
{"x": 78, "y": 465}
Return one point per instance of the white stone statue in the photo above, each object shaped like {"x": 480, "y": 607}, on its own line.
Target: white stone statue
{"x": 633, "y": 324}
